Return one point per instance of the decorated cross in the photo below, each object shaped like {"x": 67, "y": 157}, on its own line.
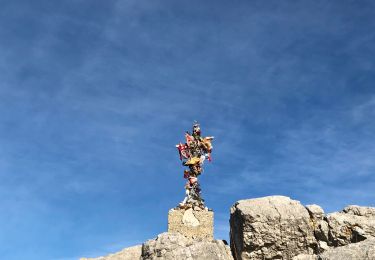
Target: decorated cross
{"x": 193, "y": 153}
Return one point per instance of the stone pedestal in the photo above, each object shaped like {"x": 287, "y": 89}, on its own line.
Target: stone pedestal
{"x": 195, "y": 224}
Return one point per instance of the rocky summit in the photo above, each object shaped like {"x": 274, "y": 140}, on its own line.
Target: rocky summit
{"x": 171, "y": 246}
{"x": 274, "y": 227}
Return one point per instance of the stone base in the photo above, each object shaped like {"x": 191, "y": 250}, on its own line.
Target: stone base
{"x": 195, "y": 224}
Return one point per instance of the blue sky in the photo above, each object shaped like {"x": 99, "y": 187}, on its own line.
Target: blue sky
{"x": 95, "y": 94}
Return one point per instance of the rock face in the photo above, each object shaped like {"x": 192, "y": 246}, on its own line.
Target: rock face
{"x": 195, "y": 224}
{"x": 274, "y": 227}
{"x": 170, "y": 246}
{"x": 130, "y": 253}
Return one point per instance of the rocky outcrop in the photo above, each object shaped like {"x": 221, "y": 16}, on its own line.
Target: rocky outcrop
{"x": 130, "y": 253}
{"x": 358, "y": 251}
{"x": 277, "y": 227}
{"x": 353, "y": 224}
{"x": 170, "y": 246}
{"x": 364, "y": 250}
{"x": 274, "y": 227}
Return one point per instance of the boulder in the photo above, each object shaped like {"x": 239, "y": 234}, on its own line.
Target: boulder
{"x": 315, "y": 211}
{"x": 353, "y": 224}
{"x": 170, "y": 246}
{"x": 274, "y": 227}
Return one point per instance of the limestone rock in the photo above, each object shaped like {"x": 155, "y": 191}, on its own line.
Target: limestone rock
{"x": 274, "y": 227}
{"x": 306, "y": 257}
{"x": 170, "y": 246}
{"x": 315, "y": 211}
{"x": 323, "y": 246}
{"x": 360, "y": 211}
{"x": 130, "y": 253}
{"x": 364, "y": 250}
{"x": 195, "y": 224}
{"x": 353, "y": 224}
{"x": 188, "y": 219}
{"x": 320, "y": 225}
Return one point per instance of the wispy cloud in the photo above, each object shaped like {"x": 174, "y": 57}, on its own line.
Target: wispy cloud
{"x": 326, "y": 154}
{"x": 94, "y": 95}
